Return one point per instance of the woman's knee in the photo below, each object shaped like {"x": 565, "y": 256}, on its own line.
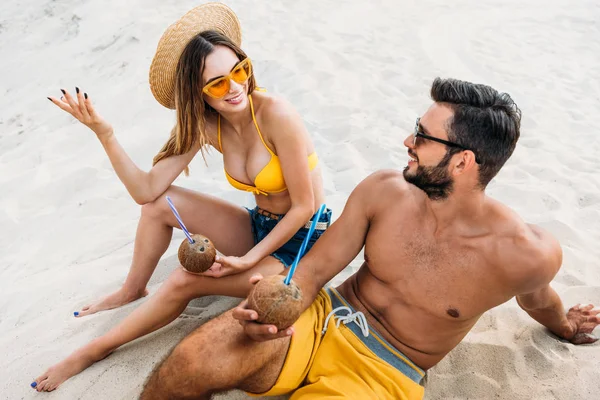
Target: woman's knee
{"x": 156, "y": 209}
{"x": 182, "y": 284}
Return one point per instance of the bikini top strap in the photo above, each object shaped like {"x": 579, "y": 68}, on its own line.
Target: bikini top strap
{"x": 219, "y": 132}
{"x": 257, "y": 128}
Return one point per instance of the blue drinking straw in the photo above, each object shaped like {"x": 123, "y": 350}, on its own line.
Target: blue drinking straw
{"x": 183, "y": 228}
{"x": 288, "y": 278}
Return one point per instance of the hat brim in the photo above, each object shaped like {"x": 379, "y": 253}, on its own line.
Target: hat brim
{"x": 209, "y": 16}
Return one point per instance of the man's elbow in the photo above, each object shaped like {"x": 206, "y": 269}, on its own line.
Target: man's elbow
{"x": 538, "y": 300}
{"x": 526, "y": 303}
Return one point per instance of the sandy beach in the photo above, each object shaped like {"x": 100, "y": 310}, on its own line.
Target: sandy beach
{"x": 359, "y": 74}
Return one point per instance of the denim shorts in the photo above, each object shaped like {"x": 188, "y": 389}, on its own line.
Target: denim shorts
{"x": 263, "y": 224}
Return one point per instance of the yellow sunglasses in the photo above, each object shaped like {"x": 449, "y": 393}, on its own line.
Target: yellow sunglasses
{"x": 220, "y": 86}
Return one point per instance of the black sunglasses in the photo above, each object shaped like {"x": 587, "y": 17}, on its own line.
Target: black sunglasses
{"x": 419, "y": 134}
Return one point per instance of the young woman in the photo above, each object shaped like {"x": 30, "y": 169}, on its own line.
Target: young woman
{"x": 200, "y": 70}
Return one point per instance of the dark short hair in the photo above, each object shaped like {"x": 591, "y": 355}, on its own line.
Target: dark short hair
{"x": 484, "y": 120}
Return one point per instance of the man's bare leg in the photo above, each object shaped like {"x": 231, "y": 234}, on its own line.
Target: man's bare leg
{"x": 236, "y": 362}
{"x": 227, "y": 225}
{"x": 162, "y": 308}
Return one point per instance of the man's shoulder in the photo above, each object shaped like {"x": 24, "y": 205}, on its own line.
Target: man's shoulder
{"x": 528, "y": 254}
{"x": 387, "y": 185}
{"x": 387, "y": 181}
{"x": 381, "y": 191}
{"x": 524, "y": 238}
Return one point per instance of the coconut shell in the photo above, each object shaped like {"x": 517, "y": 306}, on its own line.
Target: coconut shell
{"x": 275, "y": 302}
{"x": 198, "y": 256}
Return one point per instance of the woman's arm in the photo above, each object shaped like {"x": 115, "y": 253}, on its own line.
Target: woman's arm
{"x": 290, "y": 142}
{"x": 143, "y": 186}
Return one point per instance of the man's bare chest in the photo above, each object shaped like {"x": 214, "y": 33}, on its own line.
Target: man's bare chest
{"x": 449, "y": 278}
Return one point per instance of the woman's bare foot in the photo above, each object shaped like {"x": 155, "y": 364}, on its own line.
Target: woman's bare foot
{"x": 117, "y": 299}
{"x": 70, "y": 366}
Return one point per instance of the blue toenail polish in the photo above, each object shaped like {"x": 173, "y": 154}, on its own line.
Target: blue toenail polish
{"x": 34, "y": 384}
{"x": 76, "y": 313}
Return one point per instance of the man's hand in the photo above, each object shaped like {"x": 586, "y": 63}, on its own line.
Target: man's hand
{"x": 255, "y": 330}
{"x": 583, "y": 320}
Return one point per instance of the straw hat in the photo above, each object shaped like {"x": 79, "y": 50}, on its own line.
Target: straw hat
{"x": 210, "y": 16}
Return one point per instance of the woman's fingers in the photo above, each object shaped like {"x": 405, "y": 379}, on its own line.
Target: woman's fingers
{"x": 215, "y": 271}
{"x": 89, "y": 106}
{"x": 67, "y": 98}
{"x": 71, "y": 101}
{"x": 61, "y": 104}
{"x": 81, "y": 104}
{"x": 80, "y": 107}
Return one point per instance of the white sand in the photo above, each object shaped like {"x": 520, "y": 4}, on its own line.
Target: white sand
{"x": 359, "y": 75}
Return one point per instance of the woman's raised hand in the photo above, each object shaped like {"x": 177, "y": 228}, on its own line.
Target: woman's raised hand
{"x": 81, "y": 108}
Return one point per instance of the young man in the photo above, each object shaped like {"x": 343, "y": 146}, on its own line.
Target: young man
{"x": 438, "y": 254}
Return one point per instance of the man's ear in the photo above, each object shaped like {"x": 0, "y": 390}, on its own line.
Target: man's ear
{"x": 464, "y": 162}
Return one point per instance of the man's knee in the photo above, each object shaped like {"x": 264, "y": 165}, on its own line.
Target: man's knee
{"x": 180, "y": 375}
{"x": 218, "y": 356}
{"x": 187, "y": 358}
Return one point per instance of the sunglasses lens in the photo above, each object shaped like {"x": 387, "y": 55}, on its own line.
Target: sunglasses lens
{"x": 219, "y": 88}
{"x": 415, "y": 133}
{"x": 241, "y": 73}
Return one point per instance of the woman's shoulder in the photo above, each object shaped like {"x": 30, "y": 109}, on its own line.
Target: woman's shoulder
{"x": 271, "y": 109}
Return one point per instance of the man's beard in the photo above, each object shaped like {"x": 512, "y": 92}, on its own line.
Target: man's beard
{"x": 436, "y": 182}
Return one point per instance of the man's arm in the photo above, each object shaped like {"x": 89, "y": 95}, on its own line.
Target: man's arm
{"x": 545, "y": 306}
{"x": 340, "y": 244}
{"x": 334, "y": 250}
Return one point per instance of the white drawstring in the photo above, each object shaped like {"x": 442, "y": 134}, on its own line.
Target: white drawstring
{"x": 357, "y": 317}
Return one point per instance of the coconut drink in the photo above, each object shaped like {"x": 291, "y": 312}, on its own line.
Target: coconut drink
{"x": 198, "y": 256}
{"x": 275, "y": 302}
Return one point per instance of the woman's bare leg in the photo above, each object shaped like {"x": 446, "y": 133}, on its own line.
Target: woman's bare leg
{"x": 227, "y": 225}
{"x": 162, "y": 308}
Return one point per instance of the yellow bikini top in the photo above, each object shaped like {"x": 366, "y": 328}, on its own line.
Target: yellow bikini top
{"x": 270, "y": 179}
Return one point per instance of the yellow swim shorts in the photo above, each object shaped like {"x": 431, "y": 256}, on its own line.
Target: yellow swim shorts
{"x": 330, "y": 360}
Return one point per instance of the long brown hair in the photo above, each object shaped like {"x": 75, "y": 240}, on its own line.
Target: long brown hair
{"x": 189, "y": 104}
